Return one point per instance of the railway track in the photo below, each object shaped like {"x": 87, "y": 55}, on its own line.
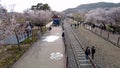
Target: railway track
{"x": 77, "y": 49}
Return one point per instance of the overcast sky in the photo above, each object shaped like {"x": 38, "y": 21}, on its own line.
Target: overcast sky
{"x": 57, "y": 5}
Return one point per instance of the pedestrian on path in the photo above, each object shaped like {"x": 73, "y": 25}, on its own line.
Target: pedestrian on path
{"x": 75, "y": 25}
{"x": 87, "y": 52}
{"x": 93, "y": 51}
{"x": 50, "y": 28}
{"x": 63, "y": 33}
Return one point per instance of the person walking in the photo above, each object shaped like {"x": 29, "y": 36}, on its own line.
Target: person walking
{"x": 93, "y": 51}
{"x": 50, "y": 28}
{"x": 87, "y": 52}
{"x": 63, "y": 33}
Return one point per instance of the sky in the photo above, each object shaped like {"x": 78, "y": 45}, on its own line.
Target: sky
{"x": 56, "y": 5}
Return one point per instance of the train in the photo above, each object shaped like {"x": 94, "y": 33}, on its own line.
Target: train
{"x": 56, "y": 20}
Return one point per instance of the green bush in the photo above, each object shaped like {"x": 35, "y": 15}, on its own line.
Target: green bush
{"x": 44, "y": 29}
{"x": 114, "y": 28}
{"x": 109, "y": 28}
{"x": 27, "y": 41}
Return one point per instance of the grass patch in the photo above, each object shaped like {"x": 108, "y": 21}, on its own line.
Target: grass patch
{"x": 14, "y": 55}
{"x": 27, "y": 41}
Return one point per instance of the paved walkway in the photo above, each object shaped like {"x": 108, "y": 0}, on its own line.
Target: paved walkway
{"x": 48, "y": 52}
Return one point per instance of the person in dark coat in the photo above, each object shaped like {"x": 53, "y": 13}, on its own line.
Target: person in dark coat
{"x": 63, "y": 33}
{"x": 93, "y": 51}
{"x": 50, "y": 28}
{"x": 87, "y": 52}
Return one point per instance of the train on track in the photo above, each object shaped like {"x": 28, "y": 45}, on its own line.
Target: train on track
{"x": 56, "y": 20}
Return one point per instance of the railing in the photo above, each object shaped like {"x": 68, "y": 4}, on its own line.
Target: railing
{"x": 13, "y": 39}
{"x": 109, "y": 36}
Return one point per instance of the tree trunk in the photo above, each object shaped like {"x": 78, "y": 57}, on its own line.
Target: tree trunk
{"x": 17, "y": 41}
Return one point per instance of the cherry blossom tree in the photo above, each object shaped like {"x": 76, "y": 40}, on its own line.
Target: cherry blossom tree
{"x": 106, "y": 16}
{"x": 11, "y": 25}
{"x": 96, "y": 15}
{"x": 114, "y": 14}
{"x": 39, "y": 18}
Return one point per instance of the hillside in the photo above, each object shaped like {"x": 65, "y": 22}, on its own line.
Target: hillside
{"x": 93, "y": 6}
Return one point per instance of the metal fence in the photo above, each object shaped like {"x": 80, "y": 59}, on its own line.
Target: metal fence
{"x": 21, "y": 37}
{"x": 109, "y": 36}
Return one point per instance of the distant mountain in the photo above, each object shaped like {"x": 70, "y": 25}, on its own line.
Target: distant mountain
{"x": 93, "y": 6}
